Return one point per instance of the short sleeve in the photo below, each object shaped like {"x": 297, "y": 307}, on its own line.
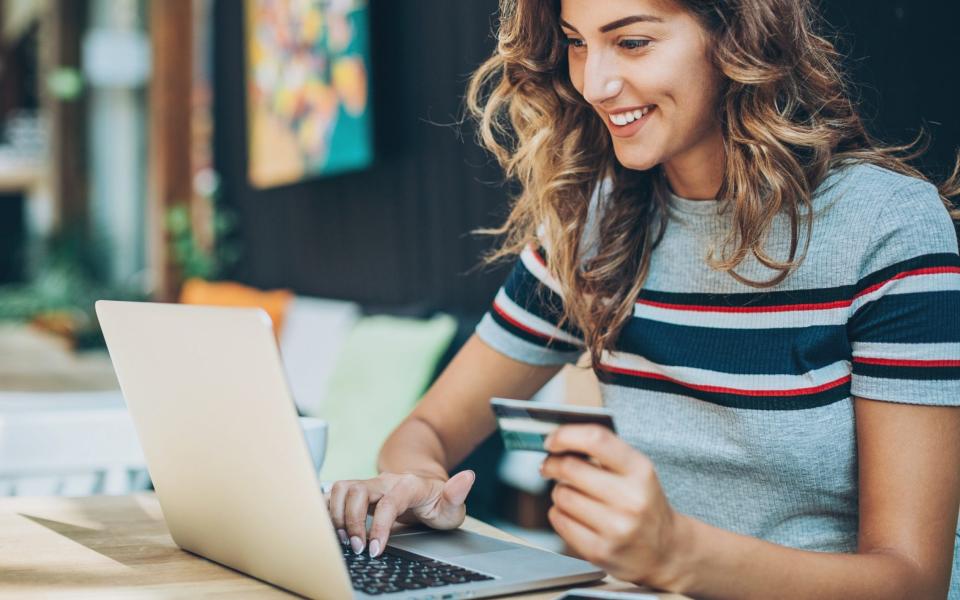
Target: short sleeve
{"x": 904, "y": 327}
{"x": 525, "y": 319}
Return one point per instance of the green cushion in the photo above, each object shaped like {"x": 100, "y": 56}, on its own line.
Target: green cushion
{"x": 383, "y": 368}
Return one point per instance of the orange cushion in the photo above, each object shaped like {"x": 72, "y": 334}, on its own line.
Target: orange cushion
{"x": 229, "y": 293}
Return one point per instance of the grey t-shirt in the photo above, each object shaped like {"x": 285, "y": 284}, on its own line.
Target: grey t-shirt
{"x": 742, "y": 397}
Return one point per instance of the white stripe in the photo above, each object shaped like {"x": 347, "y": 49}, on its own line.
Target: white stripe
{"x": 526, "y": 425}
{"x": 743, "y": 320}
{"x": 892, "y": 351}
{"x": 538, "y": 270}
{"x": 532, "y": 321}
{"x": 934, "y": 282}
{"x": 695, "y": 376}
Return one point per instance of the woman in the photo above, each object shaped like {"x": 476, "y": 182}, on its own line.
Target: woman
{"x": 769, "y": 297}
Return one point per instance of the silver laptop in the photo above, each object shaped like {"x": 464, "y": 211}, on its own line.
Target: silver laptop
{"x": 231, "y": 468}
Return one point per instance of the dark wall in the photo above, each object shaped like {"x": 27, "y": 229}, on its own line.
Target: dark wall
{"x": 906, "y": 57}
{"x": 397, "y": 232}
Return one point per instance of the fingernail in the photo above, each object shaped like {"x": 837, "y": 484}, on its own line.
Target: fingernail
{"x": 343, "y": 537}
{"x": 547, "y": 441}
{"x": 374, "y": 548}
{"x": 357, "y": 544}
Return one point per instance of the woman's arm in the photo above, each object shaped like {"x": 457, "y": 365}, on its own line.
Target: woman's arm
{"x": 454, "y": 415}
{"x": 909, "y": 459}
{"x": 452, "y": 418}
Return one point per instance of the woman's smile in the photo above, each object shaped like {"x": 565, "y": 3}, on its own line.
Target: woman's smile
{"x": 625, "y": 123}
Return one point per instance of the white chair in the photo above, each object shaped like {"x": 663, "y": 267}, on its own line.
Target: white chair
{"x": 314, "y": 331}
{"x": 81, "y": 444}
{"x": 69, "y": 444}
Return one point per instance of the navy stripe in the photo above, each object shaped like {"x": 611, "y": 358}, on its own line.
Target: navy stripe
{"x": 802, "y": 296}
{"x": 921, "y": 317}
{"x": 541, "y": 341}
{"x": 782, "y": 351}
{"x": 541, "y": 252}
{"x": 944, "y": 259}
{"x": 530, "y": 294}
{"x": 896, "y": 372}
{"x": 778, "y": 298}
{"x": 801, "y": 402}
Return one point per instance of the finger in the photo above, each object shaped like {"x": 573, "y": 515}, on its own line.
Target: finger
{"x": 355, "y": 515}
{"x": 586, "y": 477}
{"x": 595, "y": 441}
{"x": 456, "y": 489}
{"x": 384, "y": 516}
{"x": 452, "y": 500}
{"x": 449, "y": 509}
{"x": 589, "y": 512}
{"x": 581, "y": 539}
{"x": 338, "y": 495}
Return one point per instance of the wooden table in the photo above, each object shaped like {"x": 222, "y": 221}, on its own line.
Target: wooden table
{"x": 118, "y": 547}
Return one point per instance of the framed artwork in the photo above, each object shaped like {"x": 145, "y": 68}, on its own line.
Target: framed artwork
{"x": 308, "y": 82}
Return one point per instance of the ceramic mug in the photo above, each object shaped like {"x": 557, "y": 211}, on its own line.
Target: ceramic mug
{"x": 315, "y": 432}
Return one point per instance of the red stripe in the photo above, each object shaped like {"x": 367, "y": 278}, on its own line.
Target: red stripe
{"x": 893, "y": 362}
{"x": 726, "y": 390}
{"x": 518, "y": 324}
{"x": 536, "y": 255}
{"x": 924, "y": 271}
{"x": 749, "y": 309}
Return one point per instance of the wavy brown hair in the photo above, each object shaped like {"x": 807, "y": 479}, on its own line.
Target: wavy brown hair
{"x": 787, "y": 118}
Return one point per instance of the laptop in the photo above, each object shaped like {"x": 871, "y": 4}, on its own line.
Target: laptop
{"x": 206, "y": 389}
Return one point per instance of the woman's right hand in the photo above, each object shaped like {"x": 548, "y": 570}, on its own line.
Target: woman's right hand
{"x": 425, "y": 498}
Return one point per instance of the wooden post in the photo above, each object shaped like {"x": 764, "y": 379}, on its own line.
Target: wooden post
{"x": 170, "y": 172}
{"x": 62, "y": 27}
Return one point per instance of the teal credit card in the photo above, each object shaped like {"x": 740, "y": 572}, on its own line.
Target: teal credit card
{"x": 524, "y": 425}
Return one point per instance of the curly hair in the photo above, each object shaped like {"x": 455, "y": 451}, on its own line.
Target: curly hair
{"x": 787, "y": 118}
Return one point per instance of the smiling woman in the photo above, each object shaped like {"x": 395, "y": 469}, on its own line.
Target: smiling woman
{"x": 768, "y": 295}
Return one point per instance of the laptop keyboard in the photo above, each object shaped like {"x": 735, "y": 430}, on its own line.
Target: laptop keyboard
{"x": 398, "y": 570}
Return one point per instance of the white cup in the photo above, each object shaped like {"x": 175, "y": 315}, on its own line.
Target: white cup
{"x": 315, "y": 431}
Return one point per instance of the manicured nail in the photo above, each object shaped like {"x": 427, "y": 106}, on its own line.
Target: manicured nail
{"x": 357, "y": 544}
{"x": 374, "y": 548}
{"x": 343, "y": 537}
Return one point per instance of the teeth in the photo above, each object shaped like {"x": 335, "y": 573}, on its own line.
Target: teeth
{"x": 624, "y": 118}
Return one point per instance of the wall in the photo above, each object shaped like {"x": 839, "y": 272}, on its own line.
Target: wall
{"x": 396, "y": 233}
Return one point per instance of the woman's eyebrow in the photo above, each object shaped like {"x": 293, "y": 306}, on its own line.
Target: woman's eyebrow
{"x": 619, "y": 22}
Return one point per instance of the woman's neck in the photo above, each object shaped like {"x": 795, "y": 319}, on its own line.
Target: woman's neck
{"x": 697, "y": 174}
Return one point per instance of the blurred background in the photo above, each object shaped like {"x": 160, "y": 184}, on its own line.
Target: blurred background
{"x": 305, "y": 157}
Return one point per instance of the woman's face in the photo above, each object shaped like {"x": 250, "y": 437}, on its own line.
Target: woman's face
{"x": 644, "y": 67}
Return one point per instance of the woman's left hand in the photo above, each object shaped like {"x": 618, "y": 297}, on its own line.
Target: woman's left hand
{"x": 608, "y": 506}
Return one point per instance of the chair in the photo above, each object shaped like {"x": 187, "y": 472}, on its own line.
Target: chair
{"x": 68, "y": 444}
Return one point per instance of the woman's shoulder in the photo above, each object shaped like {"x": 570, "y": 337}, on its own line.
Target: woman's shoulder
{"x": 871, "y": 189}
{"x": 892, "y": 216}
{"x": 869, "y": 196}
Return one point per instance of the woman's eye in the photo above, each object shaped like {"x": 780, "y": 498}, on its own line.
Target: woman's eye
{"x": 573, "y": 42}
{"x": 633, "y": 44}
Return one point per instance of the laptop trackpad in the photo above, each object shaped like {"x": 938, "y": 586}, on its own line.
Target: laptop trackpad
{"x": 445, "y": 544}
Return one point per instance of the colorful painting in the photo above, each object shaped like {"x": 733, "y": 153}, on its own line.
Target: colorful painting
{"x": 308, "y": 103}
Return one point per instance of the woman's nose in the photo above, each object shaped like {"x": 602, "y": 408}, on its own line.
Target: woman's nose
{"x": 600, "y": 83}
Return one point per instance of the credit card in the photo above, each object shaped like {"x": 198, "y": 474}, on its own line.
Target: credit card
{"x": 525, "y": 425}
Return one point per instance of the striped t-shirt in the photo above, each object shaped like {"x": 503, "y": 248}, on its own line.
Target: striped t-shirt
{"x": 742, "y": 397}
